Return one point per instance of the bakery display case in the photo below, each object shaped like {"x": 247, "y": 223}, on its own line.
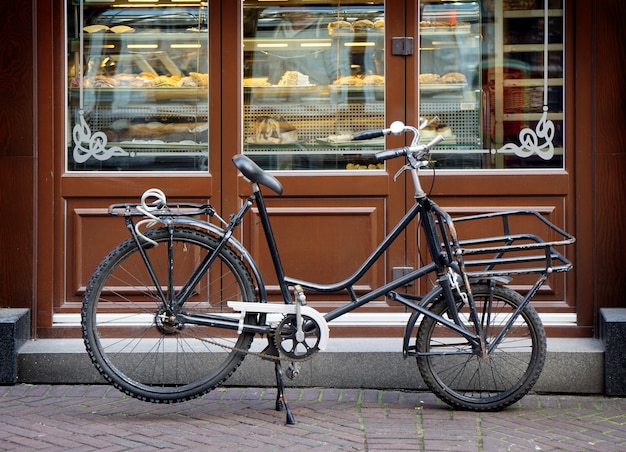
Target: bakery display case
{"x": 524, "y": 82}
{"x": 450, "y": 81}
{"x": 313, "y": 76}
{"x": 137, "y": 85}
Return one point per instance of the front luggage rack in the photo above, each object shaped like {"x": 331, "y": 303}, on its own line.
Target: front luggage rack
{"x": 511, "y": 252}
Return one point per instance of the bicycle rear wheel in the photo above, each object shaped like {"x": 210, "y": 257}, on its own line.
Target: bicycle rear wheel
{"x": 146, "y": 353}
{"x": 458, "y": 374}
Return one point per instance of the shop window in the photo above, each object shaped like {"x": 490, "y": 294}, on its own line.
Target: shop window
{"x": 491, "y": 82}
{"x": 313, "y": 76}
{"x": 137, "y": 86}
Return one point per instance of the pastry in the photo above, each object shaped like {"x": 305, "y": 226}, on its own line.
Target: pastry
{"x": 379, "y": 24}
{"x": 339, "y": 26}
{"x": 429, "y": 78}
{"x": 453, "y": 77}
{"x": 200, "y": 78}
{"x": 95, "y": 28}
{"x": 362, "y": 25}
{"x": 294, "y": 78}
{"x": 376, "y": 80}
{"x": 349, "y": 80}
{"x": 273, "y": 130}
{"x": 122, "y": 29}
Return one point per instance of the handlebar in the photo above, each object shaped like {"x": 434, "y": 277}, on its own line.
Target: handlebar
{"x": 415, "y": 151}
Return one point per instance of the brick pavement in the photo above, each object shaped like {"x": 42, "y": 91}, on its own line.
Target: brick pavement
{"x": 94, "y": 417}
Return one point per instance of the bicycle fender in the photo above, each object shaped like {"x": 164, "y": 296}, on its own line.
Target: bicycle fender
{"x": 278, "y": 308}
{"x": 415, "y": 315}
{"x": 234, "y": 243}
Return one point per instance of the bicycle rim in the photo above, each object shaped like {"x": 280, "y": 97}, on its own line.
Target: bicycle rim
{"x": 458, "y": 374}
{"x": 142, "y": 351}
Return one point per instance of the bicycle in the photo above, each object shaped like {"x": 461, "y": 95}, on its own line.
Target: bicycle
{"x": 171, "y": 312}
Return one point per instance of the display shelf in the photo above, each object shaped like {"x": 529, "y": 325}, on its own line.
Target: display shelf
{"x": 138, "y": 88}
{"x": 450, "y": 45}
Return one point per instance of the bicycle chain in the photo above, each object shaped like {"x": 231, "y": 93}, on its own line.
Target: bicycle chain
{"x": 260, "y": 355}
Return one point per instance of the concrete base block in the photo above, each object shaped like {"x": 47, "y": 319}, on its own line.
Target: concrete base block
{"x": 14, "y": 332}
{"x": 613, "y": 335}
{"x": 573, "y": 366}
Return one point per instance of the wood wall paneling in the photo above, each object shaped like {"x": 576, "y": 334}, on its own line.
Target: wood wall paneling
{"x": 610, "y": 153}
{"x": 306, "y": 230}
{"x": 17, "y": 155}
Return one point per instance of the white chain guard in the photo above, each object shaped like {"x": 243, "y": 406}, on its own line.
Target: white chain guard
{"x": 276, "y": 308}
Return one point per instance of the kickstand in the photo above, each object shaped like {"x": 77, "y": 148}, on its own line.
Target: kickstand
{"x": 281, "y": 400}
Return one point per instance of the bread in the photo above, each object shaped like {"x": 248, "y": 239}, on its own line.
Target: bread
{"x": 349, "y": 80}
{"x": 429, "y": 78}
{"x": 376, "y": 80}
{"x": 122, "y": 29}
{"x": 362, "y": 25}
{"x": 339, "y": 26}
{"x": 453, "y": 77}
{"x": 95, "y": 28}
{"x": 273, "y": 130}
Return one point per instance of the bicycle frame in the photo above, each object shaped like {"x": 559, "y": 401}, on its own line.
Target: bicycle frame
{"x": 431, "y": 216}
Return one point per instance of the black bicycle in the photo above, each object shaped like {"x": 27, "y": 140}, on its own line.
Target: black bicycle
{"x": 171, "y": 312}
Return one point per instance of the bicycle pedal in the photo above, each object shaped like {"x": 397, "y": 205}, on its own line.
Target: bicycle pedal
{"x": 293, "y": 370}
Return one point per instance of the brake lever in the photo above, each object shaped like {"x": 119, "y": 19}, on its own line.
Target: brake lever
{"x": 402, "y": 170}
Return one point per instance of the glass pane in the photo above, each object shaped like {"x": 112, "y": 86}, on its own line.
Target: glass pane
{"x": 313, "y": 76}
{"x": 137, "y": 86}
{"x": 491, "y": 82}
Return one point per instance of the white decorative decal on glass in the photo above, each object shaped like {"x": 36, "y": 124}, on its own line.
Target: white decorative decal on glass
{"x": 531, "y": 140}
{"x": 87, "y": 145}
{"x": 81, "y": 133}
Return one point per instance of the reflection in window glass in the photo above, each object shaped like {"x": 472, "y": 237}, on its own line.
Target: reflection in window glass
{"x": 313, "y": 76}
{"x": 491, "y": 82}
{"x": 137, "y": 88}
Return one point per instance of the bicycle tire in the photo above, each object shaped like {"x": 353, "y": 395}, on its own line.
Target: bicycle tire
{"x": 459, "y": 376}
{"x": 140, "y": 351}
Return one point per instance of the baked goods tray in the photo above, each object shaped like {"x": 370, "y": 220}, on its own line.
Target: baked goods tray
{"x": 447, "y": 140}
{"x": 523, "y": 242}
{"x": 442, "y": 87}
{"x": 147, "y": 148}
{"x": 450, "y": 30}
{"x": 358, "y": 91}
{"x": 145, "y": 93}
{"x": 276, "y": 91}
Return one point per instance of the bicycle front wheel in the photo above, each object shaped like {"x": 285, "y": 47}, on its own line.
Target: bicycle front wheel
{"x": 140, "y": 348}
{"x": 460, "y": 374}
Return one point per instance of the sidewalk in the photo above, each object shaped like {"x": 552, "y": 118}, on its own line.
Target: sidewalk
{"x": 96, "y": 417}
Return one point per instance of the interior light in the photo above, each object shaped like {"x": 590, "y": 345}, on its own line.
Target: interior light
{"x": 315, "y": 44}
{"x": 143, "y": 46}
{"x": 185, "y": 46}
{"x": 272, "y": 45}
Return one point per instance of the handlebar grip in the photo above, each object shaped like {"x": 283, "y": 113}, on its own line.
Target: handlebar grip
{"x": 368, "y": 134}
{"x": 389, "y": 154}
{"x": 438, "y": 139}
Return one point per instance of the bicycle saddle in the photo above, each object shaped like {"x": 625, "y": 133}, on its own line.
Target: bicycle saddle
{"x": 255, "y": 174}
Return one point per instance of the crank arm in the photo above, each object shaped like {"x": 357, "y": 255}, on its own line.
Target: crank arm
{"x": 276, "y": 308}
